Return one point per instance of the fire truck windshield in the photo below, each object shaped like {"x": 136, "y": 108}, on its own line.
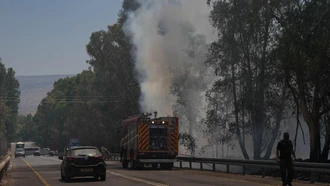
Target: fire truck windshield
{"x": 157, "y": 134}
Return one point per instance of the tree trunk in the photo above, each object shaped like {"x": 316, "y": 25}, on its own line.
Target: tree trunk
{"x": 260, "y": 114}
{"x": 310, "y": 118}
{"x": 191, "y": 125}
{"x": 314, "y": 138}
{"x": 216, "y": 151}
{"x": 326, "y": 147}
{"x": 238, "y": 131}
{"x": 278, "y": 121}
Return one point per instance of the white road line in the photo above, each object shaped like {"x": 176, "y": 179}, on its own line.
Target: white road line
{"x": 137, "y": 179}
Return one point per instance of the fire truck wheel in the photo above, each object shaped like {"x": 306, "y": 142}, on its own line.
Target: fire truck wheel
{"x": 163, "y": 166}
{"x": 170, "y": 166}
{"x": 154, "y": 165}
{"x": 124, "y": 164}
{"x": 166, "y": 166}
{"x": 132, "y": 163}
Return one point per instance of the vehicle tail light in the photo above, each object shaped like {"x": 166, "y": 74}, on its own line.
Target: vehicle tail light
{"x": 99, "y": 157}
{"x": 69, "y": 158}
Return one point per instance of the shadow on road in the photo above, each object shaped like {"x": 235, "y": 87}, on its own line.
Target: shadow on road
{"x": 80, "y": 180}
{"x": 140, "y": 169}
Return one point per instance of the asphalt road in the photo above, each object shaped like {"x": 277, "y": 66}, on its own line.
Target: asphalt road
{"x": 45, "y": 171}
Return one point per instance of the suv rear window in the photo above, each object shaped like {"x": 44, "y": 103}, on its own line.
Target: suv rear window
{"x": 85, "y": 152}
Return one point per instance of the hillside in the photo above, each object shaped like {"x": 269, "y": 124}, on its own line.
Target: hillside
{"x": 34, "y": 89}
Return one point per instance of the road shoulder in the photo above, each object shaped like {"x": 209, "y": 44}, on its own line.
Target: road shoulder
{"x": 19, "y": 173}
{"x": 6, "y": 180}
{"x": 258, "y": 180}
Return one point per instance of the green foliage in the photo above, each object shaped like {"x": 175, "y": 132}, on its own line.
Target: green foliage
{"x": 220, "y": 131}
{"x": 188, "y": 142}
{"x": 189, "y": 81}
{"x": 91, "y": 105}
{"x": 242, "y": 58}
{"x": 9, "y": 100}
{"x": 304, "y": 52}
{"x": 27, "y": 129}
{"x": 265, "y": 49}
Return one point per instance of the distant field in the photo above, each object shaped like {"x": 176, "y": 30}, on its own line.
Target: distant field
{"x": 34, "y": 89}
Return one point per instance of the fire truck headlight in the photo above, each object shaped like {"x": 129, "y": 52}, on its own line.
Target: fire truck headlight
{"x": 152, "y": 122}
{"x": 163, "y": 122}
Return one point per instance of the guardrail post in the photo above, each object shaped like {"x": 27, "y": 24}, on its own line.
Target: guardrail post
{"x": 214, "y": 167}
{"x": 263, "y": 172}
{"x": 190, "y": 165}
{"x": 227, "y": 168}
{"x": 312, "y": 177}
{"x": 244, "y": 170}
{"x": 181, "y": 164}
{"x": 201, "y": 166}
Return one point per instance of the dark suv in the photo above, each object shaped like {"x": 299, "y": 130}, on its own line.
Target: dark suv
{"x": 83, "y": 161}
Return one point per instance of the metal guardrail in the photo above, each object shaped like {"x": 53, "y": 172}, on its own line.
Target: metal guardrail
{"x": 313, "y": 168}
{"x": 113, "y": 157}
{"x": 264, "y": 164}
{"x": 3, "y": 166}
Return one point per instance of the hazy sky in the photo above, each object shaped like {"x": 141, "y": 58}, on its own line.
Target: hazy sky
{"x": 40, "y": 37}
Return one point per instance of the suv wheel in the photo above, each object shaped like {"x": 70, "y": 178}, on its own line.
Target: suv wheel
{"x": 66, "y": 178}
{"x": 62, "y": 177}
{"x": 124, "y": 164}
{"x": 103, "y": 177}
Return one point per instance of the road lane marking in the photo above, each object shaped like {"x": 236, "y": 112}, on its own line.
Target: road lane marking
{"x": 138, "y": 179}
{"x": 35, "y": 172}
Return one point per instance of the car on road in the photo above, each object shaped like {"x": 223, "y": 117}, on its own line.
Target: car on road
{"x": 44, "y": 151}
{"x": 19, "y": 152}
{"x": 83, "y": 161}
{"x": 51, "y": 153}
{"x": 36, "y": 153}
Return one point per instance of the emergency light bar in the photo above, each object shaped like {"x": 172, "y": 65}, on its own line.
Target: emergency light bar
{"x": 153, "y": 122}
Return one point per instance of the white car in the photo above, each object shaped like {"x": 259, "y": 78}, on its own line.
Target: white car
{"x": 19, "y": 152}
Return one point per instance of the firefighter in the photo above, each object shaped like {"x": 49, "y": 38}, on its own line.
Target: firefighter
{"x": 284, "y": 158}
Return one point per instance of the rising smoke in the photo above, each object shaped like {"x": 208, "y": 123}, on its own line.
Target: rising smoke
{"x": 159, "y": 33}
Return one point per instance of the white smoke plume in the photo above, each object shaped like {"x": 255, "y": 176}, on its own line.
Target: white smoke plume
{"x": 155, "y": 52}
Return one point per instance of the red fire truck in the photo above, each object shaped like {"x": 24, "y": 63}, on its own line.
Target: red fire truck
{"x": 149, "y": 141}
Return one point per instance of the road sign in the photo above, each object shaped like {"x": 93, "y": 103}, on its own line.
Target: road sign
{"x": 74, "y": 142}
